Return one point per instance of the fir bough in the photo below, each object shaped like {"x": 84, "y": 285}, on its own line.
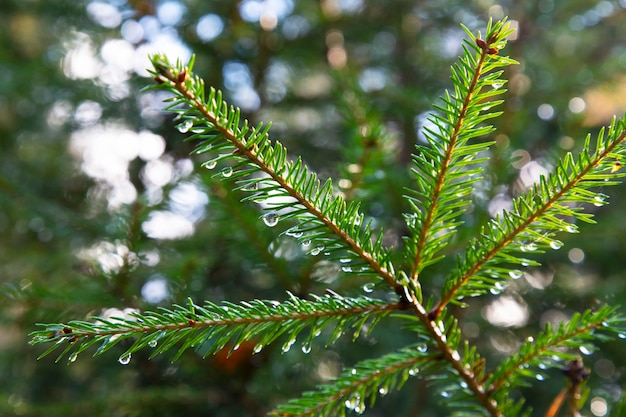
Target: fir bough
{"x": 444, "y": 171}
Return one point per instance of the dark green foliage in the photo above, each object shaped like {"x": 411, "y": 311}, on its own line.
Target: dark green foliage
{"x": 444, "y": 171}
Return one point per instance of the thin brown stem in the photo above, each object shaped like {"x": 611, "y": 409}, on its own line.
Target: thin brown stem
{"x": 127, "y": 326}
{"x": 250, "y": 153}
{"x": 454, "y": 358}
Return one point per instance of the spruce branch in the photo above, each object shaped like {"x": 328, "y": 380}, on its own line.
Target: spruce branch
{"x": 446, "y": 169}
{"x": 550, "y": 207}
{"x": 211, "y": 327}
{"x": 578, "y": 334}
{"x": 363, "y": 383}
{"x": 319, "y": 208}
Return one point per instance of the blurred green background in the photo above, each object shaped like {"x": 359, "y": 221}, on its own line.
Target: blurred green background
{"x": 101, "y": 207}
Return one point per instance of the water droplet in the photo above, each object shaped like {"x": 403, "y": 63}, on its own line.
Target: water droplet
{"x": 236, "y": 347}
{"x": 556, "y": 244}
{"x": 344, "y": 260}
{"x": 422, "y": 347}
{"x": 621, "y": 336}
{"x": 497, "y": 289}
{"x": 271, "y": 219}
{"x": 528, "y": 248}
{"x": 456, "y": 355}
{"x": 152, "y": 343}
{"x": 369, "y": 287}
{"x": 353, "y": 371}
{"x": 210, "y": 164}
{"x": 184, "y": 126}
{"x": 73, "y": 357}
{"x": 598, "y": 201}
{"x": 540, "y": 377}
{"x": 258, "y": 348}
{"x": 317, "y": 251}
{"x": 543, "y": 366}
{"x": 288, "y": 345}
{"x": 414, "y": 371}
{"x": 251, "y": 186}
{"x": 446, "y": 394}
{"x": 124, "y": 359}
{"x": 306, "y": 348}
{"x": 294, "y": 232}
{"x": 383, "y": 391}
{"x": 355, "y": 404}
{"x": 571, "y": 229}
{"x": 515, "y": 274}
{"x": 585, "y": 350}
{"x": 346, "y": 269}
{"x": 227, "y": 172}
{"x": 306, "y": 243}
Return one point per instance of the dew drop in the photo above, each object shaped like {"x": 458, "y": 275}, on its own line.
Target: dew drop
{"x": 598, "y": 201}
{"x": 540, "y": 377}
{"x": 306, "y": 348}
{"x": 516, "y": 274}
{"x": 288, "y": 345}
{"x": 353, "y": 371}
{"x": 585, "y": 350}
{"x": 350, "y": 404}
{"x": 414, "y": 371}
{"x": 422, "y": 347}
{"x": 571, "y": 229}
{"x": 210, "y": 164}
{"x": 383, "y": 391}
{"x": 556, "y": 244}
{"x": 445, "y": 394}
{"x": 306, "y": 243}
{"x": 152, "y": 343}
{"x": 294, "y": 232}
{"x": 271, "y": 219}
{"x": 346, "y": 268}
{"x": 355, "y": 404}
{"x": 317, "y": 251}
{"x": 498, "y": 288}
{"x": 621, "y": 336}
{"x": 227, "y": 172}
{"x": 528, "y": 248}
{"x": 344, "y": 260}
{"x": 258, "y": 348}
{"x": 369, "y": 287}
{"x": 72, "y": 357}
{"x": 253, "y": 186}
{"x": 124, "y": 359}
{"x": 543, "y": 366}
{"x": 184, "y": 126}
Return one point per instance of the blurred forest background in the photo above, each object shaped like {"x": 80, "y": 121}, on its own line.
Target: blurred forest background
{"x": 102, "y": 209}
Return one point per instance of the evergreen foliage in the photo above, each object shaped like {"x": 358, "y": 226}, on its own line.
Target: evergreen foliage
{"x": 318, "y": 214}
